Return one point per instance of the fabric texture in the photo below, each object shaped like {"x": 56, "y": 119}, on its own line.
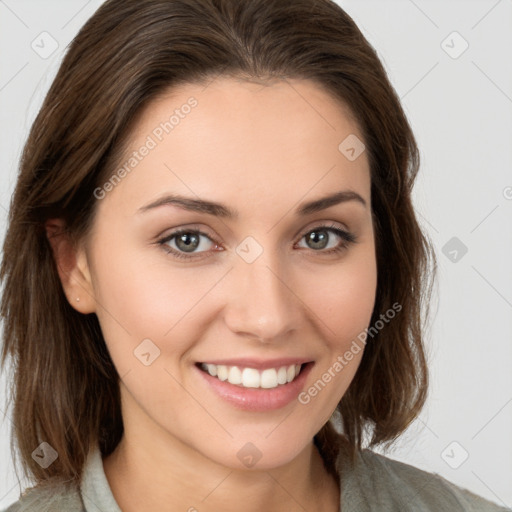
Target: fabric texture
{"x": 373, "y": 483}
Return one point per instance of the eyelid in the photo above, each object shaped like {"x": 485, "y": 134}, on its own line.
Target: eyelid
{"x": 325, "y": 224}
{"x": 347, "y": 238}
{"x": 164, "y": 239}
{"x": 196, "y": 228}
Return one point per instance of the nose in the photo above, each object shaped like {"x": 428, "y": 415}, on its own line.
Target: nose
{"x": 261, "y": 300}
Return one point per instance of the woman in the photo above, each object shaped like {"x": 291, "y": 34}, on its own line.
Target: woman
{"x": 213, "y": 223}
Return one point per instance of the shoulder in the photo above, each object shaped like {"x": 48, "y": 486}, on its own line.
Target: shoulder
{"x": 393, "y": 485}
{"x": 53, "y": 497}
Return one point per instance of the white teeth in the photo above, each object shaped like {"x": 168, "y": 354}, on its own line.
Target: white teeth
{"x": 222, "y": 372}
{"x": 252, "y": 378}
{"x": 212, "y": 369}
{"x": 281, "y": 375}
{"x": 269, "y": 378}
{"x": 235, "y": 375}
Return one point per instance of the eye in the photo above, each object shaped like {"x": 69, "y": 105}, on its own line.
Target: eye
{"x": 320, "y": 238}
{"x": 191, "y": 243}
{"x": 184, "y": 243}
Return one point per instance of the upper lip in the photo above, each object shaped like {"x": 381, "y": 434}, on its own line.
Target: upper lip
{"x": 259, "y": 364}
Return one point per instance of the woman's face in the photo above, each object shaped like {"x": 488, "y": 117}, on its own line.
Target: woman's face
{"x": 263, "y": 282}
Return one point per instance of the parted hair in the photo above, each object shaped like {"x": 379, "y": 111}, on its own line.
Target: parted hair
{"x": 64, "y": 388}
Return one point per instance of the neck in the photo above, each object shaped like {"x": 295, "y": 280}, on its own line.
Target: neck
{"x": 182, "y": 478}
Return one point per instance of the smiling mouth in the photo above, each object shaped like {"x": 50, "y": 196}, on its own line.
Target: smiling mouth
{"x": 252, "y": 378}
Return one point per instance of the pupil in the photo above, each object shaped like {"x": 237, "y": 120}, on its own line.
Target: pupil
{"x": 190, "y": 240}
{"x": 319, "y": 239}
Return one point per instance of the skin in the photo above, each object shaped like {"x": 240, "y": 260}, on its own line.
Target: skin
{"x": 262, "y": 150}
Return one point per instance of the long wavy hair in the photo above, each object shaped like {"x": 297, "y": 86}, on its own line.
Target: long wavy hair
{"x": 64, "y": 387}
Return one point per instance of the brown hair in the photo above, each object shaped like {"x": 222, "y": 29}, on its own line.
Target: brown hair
{"x": 65, "y": 388}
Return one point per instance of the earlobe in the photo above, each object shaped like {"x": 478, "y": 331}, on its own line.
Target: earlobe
{"x": 72, "y": 266}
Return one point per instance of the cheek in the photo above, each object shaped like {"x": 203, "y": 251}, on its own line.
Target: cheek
{"x": 343, "y": 297}
{"x": 140, "y": 299}
{"x": 342, "y": 301}
{"x": 145, "y": 317}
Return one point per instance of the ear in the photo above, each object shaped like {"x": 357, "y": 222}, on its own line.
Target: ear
{"x": 72, "y": 266}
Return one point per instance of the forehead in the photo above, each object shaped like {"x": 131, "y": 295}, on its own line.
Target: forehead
{"x": 227, "y": 105}
{"x": 220, "y": 139}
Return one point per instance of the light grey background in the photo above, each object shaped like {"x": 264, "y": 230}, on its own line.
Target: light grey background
{"x": 460, "y": 107}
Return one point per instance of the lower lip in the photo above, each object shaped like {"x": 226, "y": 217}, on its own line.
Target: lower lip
{"x": 258, "y": 399}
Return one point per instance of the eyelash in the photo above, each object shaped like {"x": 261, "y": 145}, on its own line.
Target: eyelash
{"x": 346, "y": 237}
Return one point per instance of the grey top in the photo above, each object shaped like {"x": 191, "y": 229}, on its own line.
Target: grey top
{"x": 375, "y": 482}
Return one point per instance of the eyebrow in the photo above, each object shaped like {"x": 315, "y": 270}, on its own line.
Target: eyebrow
{"x": 220, "y": 210}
